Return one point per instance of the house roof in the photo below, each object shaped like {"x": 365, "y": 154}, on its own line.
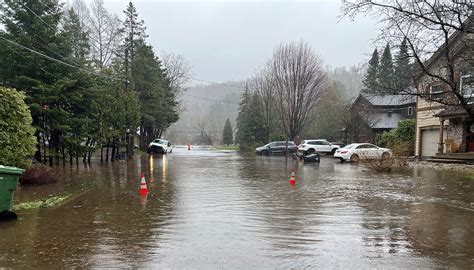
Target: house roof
{"x": 385, "y": 120}
{"x": 390, "y": 100}
{"x": 452, "y": 111}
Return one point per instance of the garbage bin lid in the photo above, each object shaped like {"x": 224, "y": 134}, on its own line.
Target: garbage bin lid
{"x": 10, "y": 170}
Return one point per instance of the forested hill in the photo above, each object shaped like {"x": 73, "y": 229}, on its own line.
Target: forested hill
{"x": 204, "y": 110}
{"x": 206, "y": 107}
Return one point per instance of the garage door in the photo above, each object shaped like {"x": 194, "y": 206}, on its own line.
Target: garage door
{"x": 429, "y": 142}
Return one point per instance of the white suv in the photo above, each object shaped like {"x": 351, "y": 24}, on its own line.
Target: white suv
{"x": 159, "y": 146}
{"x": 317, "y": 146}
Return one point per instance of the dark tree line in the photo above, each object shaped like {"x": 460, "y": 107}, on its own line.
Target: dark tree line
{"x": 90, "y": 83}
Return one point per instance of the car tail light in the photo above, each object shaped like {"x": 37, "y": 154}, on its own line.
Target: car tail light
{"x": 344, "y": 152}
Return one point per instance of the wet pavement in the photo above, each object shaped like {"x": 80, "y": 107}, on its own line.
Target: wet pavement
{"x": 223, "y": 210}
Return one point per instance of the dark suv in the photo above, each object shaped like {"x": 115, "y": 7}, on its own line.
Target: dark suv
{"x": 276, "y": 148}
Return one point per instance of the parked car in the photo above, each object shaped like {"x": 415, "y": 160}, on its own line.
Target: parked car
{"x": 357, "y": 151}
{"x": 276, "y": 148}
{"x": 308, "y": 147}
{"x": 159, "y": 146}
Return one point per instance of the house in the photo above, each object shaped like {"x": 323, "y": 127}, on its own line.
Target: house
{"x": 443, "y": 125}
{"x": 373, "y": 114}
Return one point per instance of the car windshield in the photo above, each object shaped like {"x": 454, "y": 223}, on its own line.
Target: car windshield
{"x": 349, "y": 146}
{"x": 160, "y": 141}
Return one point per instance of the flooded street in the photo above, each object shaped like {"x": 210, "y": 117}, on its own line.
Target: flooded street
{"x": 214, "y": 209}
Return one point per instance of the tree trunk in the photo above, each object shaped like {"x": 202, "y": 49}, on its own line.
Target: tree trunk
{"x": 101, "y": 153}
{"x": 107, "y": 152}
{"x": 112, "y": 158}
{"x": 84, "y": 156}
{"x": 90, "y": 151}
{"x": 70, "y": 154}
{"x": 38, "y": 146}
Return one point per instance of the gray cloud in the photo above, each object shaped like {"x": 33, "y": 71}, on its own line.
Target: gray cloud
{"x": 229, "y": 40}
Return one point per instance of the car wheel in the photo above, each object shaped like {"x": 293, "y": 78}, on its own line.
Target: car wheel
{"x": 333, "y": 151}
{"x": 385, "y": 156}
{"x": 264, "y": 153}
{"x": 310, "y": 151}
{"x": 355, "y": 158}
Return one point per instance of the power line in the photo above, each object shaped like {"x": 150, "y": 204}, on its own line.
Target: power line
{"x": 50, "y": 27}
{"x": 94, "y": 73}
{"x": 49, "y": 8}
{"x": 209, "y": 99}
{"x": 61, "y": 62}
{"x": 36, "y": 15}
{"x": 224, "y": 84}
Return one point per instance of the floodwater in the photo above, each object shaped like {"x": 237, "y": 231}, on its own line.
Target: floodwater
{"x": 208, "y": 209}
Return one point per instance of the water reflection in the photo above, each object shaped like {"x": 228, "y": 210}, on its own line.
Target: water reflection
{"x": 208, "y": 209}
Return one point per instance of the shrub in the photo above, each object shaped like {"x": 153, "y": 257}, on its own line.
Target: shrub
{"x": 17, "y": 141}
{"x": 39, "y": 174}
{"x": 403, "y": 134}
{"x": 397, "y": 159}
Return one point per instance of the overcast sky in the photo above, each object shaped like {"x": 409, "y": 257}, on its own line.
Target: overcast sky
{"x": 230, "y": 40}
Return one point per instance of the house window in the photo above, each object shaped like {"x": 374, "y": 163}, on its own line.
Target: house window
{"x": 466, "y": 85}
{"x": 410, "y": 110}
{"x": 436, "y": 92}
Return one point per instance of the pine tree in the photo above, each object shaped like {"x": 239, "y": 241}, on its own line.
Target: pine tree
{"x": 242, "y": 131}
{"x": 250, "y": 122}
{"x": 227, "y": 136}
{"x": 403, "y": 68}
{"x": 386, "y": 73}
{"x": 134, "y": 31}
{"x": 370, "y": 80}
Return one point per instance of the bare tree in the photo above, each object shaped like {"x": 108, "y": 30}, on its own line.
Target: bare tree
{"x": 204, "y": 137}
{"x": 82, "y": 10}
{"x": 297, "y": 81}
{"x": 439, "y": 35}
{"x": 105, "y": 34}
{"x": 261, "y": 83}
{"x": 178, "y": 70}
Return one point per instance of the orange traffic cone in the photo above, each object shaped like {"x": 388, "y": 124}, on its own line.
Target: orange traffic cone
{"x": 143, "y": 188}
{"x": 189, "y": 146}
{"x": 292, "y": 178}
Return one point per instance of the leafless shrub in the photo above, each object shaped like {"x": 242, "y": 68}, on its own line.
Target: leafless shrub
{"x": 39, "y": 175}
{"x": 397, "y": 159}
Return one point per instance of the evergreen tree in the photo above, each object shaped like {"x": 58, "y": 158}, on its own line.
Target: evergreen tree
{"x": 227, "y": 135}
{"x": 242, "y": 132}
{"x": 17, "y": 141}
{"x": 386, "y": 73}
{"x": 403, "y": 68}
{"x": 370, "y": 80}
{"x": 250, "y": 122}
{"x": 134, "y": 31}
{"x": 158, "y": 103}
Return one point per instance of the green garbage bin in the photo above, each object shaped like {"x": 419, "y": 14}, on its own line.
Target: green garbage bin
{"x": 8, "y": 182}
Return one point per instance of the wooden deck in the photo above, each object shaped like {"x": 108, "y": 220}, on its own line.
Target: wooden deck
{"x": 461, "y": 158}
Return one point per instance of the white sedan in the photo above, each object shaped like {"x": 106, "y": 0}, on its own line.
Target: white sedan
{"x": 356, "y": 151}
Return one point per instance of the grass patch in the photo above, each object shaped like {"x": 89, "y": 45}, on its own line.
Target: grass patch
{"x": 44, "y": 203}
{"x": 224, "y": 147}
